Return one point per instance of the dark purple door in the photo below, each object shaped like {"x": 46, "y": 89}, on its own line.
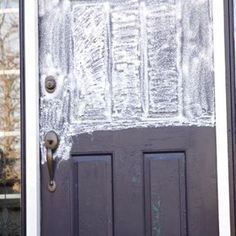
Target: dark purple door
{"x": 128, "y": 86}
{"x": 135, "y": 182}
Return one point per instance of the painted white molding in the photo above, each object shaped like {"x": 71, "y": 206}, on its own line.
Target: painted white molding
{"x": 32, "y": 124}
{"x": 221, "y": 119}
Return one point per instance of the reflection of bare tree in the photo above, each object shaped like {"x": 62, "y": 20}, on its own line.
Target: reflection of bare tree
{"x": 9, "y": 99}
{"x": 9, "y": 57}
{"x": 10, "y": 173}
{"x": 9, "y": 121}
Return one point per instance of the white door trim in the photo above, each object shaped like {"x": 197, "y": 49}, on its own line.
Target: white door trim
{"x": 221, "y": 119}
{"x": 32, "y": 121}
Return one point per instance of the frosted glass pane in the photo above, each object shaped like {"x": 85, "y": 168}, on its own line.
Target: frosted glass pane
{"x": 126, "y": 63}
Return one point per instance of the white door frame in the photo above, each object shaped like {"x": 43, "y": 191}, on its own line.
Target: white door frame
{"x": 31, "y": 118}
{"x": 221, "y": 119}
{"x": 32, "y": 121}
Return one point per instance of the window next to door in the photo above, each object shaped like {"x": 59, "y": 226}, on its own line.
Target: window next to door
{"x": 10, "y": 157}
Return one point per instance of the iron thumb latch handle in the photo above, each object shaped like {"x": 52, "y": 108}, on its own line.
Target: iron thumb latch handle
{"x": 51, "y": 143}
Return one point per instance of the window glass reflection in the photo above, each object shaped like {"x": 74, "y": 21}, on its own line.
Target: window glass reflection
{"x": 10, "y": 163}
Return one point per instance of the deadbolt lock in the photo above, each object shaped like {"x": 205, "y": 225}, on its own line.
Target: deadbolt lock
{"x": 50, "y": 84}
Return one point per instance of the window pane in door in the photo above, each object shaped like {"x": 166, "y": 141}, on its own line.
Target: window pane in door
{"x": 10, "y": 158}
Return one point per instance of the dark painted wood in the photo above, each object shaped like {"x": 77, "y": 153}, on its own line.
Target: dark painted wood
{"x": 57, "y": 207}
{"x": 129, "y": 150}
{"x": 165, "y": 194}
{"x": 92, "y": 195}
{"x": 22, "y": 118}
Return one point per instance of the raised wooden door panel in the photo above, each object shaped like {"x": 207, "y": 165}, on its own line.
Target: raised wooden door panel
{"x": 92, "y": 195}
{"x": 135, "y": 182}
{"x": 165, "y": 193}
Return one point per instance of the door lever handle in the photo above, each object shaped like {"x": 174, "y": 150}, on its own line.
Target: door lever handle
{"x": 51, "y": 143}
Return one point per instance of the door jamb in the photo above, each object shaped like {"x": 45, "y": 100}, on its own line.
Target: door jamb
{"x": 231, "y": 104}
{"x": 221, "y": 118}
{"x": 31, "y": 117}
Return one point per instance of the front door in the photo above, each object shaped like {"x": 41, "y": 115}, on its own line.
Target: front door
{"x": 127, "y": 119}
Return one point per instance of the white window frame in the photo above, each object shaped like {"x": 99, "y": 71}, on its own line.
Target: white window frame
{"x": 32, "y": 120}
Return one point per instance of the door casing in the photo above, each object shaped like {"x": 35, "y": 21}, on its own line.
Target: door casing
{"x": 231, "y": 109}
{"x": 32, "y": 124}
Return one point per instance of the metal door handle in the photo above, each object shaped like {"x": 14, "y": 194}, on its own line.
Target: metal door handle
{"x": 51, "y": 142}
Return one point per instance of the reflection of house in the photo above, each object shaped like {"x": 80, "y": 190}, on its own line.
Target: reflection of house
{"x": 9, "y": 120}
{"x": 10, "y": 89}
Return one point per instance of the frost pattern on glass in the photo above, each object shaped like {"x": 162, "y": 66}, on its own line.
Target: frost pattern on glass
{"x": 125, "y": 63}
